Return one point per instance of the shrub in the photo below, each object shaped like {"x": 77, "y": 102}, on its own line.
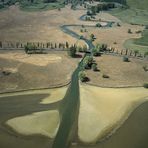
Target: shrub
{"x": 146, "y": 54}
{"x": 87, "y": 18}
{"x": 98, "y": 25}
{"x": 146, "y": 27}
{"x": 96, "y": 52}
{"x": 129, "y": 31}
{"x": 92, "y": 37}
{"x": 82, "y": 76}
{"x": 103, "y": 47}
{"x": 81, "y": 37}
{"x": 29, "y": 48}
{"x": 136, "y": 52}
{"x": 139, "y": 31}
{"x": 125, "y": 59}
{"x": 87, "y": 62}
{"x": 145, "y": 68}
{"x": 145, "y": 85}
{"x": 118, "y": 24}
{"x": 105, "y": 76}
{"x": 94, "y": 67}
{"x": 81, "y": 30}
{"x": 72, "y": 51}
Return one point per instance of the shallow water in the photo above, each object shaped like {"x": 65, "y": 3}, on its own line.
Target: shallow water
{"x": 14, "y": 106}
{"x": 132, "y": 134}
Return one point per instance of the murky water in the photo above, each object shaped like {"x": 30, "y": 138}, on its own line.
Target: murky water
{"x": 132, "y": 134}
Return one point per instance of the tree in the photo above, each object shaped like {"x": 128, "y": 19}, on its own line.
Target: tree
{"x": 82, "y": 76}
{"x": 98, "y": 25}
{"x": 136, "y": 52}
{"x": 67, "y": 45}
{"x": 94, "y": 67}
{"x": 103, "y": 47}
{"x": 1, "y": 45}
{"x": 72, "y": 51}
{"x": 93, "y": 10}
{"x": 92, "y": 37}
{"x": 146, "y": 54}
{"x": 96, "y": 52}
{"x": 125, "y": 59}
{"x": 129, "y": 31}
{"x": 87, "y": 62}
{"x": 145, "y": 85}
{"x": 29, "y": 48}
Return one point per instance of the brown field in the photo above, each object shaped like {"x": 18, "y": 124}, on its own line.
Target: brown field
{"x": 121, "y": 73}
{"x": 35, "y": 71}
{"x": 110, "y": 35}
{"x": 17, "y": 25}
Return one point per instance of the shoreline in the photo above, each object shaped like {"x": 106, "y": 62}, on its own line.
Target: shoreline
{"x": 108, "y": 130}
{"x": 35, "y": 89}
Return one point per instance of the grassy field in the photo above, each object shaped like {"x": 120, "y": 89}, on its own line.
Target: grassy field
{"x": 143, "y": 40}
{"x": 137, "y": 13}
{"x": 40, "y": 6}
{"x": 37, "y": 5}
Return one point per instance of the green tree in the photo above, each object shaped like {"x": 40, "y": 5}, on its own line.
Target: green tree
{"x": 87, "y": 62}
{"x": 94, "y": 67}
{"x": 146, "y": 54}
{"x": 96, "y": 52}
{"x": 98, "y": 25}
{"x": 82, "y": 76}
{"x": 72, "y": 51}
{"x": 67, "y": 45}
{"x": 103, "y": 47}
{"x": 136, "y": 52}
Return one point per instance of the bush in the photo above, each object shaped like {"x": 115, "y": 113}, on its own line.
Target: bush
{"x": 118, "y": 24}
{"x": 105, "y": 76}
{"x": 98, "y": 25}
{"x": 146, "y": 54}
{"x": 29, "y": 48}
{"x": 125, "y": 59}
{"x": 81, "y": 30}
{"x": 94, "y": 67}
{"x": 103, "y": 47}
{"x": 87, "y": 62}
{"x": 81, "y": 37}
{"x": 129, "y": 31}
{"x": 87, "y": 18}
{"x": 145, "y": 85}
{"x": 82, "y": 76}
{"x": 145, "y": 68}
{"x": 72, "y": 51}
{"x": 146, "y": 27}
{"x": 96, "y": 52}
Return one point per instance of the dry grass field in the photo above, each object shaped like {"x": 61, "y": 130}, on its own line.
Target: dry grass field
{"x": 121, "y": 74}
{"x": 17, "y": 25}
{"x": 105, "y": 109}
{"x": 113, "y": 37}
{"x": 34, "y": 71}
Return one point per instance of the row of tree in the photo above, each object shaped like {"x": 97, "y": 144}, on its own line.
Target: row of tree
{"x": 49, "y": 45}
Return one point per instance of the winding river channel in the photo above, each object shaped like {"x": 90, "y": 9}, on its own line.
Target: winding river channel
{"x": 132, "y": 134}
